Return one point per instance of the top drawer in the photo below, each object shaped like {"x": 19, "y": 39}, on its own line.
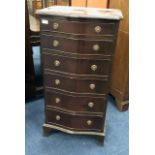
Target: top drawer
{"x": 78, "y": 28}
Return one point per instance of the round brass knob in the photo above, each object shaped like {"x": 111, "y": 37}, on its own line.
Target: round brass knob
{"x": 57, "y": 81}
{"x": 55, "y": 43}
{"x": 94, "y": 67}
{"x": 57, "y": 100}
{"x": 57, "y": 63}
{"x": 90, "y": 104}
{"x": 58, "y": 117}
{"x": 96, "y": 47}
{"x": 92, "y": 86}
{"x": 55, "y": 26}
{"x": 97, "y": 29}
{"x": 89, "y": 122}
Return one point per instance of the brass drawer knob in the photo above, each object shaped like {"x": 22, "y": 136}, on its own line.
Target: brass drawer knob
{"x": 57, "y": 81}
{"x": 94, "y": 67}
{"x": 90, "y": 104}
{"x": 92, "y": 86}
{"x": 58, "y": 117}
{"x": 89, "y": 122}
{"x": 57, "y": 100}
{"x": 57, "y": 63}
{"x": 96, "y": 47}
{"x": 97, "y": 29}
{"x": 55, "y": 26}
{"x": 55, "y": 43}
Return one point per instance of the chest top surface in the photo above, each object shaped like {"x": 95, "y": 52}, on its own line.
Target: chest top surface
{"x": 82, "y": 12}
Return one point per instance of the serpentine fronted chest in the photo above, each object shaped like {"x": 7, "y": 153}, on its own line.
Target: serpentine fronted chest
{"x": 77, "y": 46}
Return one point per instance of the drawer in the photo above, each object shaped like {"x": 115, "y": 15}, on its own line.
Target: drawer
{"x": 75, "y": 103}
{"x": 77, "y": 122}
{"x": 78, "y": 28}
{"x": 75, "y": 84}
{"x": 74, "y": 65}
{"x": 77, "y": 45}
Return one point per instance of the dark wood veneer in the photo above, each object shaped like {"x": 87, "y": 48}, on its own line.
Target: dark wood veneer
{"x": 77, "y": 46}
{"x": 74, "y": 65}
{"x": 75, "y": 103}
{"x": 75, "y": 122}
{"x": 74, "y": 84}
{"x": 78, "y": 27}
{"x": 76, "y": 38}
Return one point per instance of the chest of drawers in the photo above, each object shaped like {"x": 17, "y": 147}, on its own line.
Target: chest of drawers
{"x": 77, "y": 46}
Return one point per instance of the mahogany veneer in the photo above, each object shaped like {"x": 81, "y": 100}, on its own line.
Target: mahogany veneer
{"x": 77, "y": 58}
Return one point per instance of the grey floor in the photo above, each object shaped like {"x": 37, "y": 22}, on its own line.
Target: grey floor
{"x": 116, "y": 140}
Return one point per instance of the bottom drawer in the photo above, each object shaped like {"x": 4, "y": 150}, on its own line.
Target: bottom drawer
{"x": 74, "y": 122}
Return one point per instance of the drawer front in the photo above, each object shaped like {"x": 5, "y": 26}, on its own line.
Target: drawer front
{"x": 77, "y": 46}
{"x": 75, "y": 103}
{"x": 78, "y": 28}
{"x": 77, "y": 66}
{"x": 73, "y": 84}
{"x": 78, "y": 122}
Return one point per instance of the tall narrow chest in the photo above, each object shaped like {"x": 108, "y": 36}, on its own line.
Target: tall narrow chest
{"x": 77, "y": 48}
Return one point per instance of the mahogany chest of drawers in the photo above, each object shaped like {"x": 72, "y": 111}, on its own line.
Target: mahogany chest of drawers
{"x": 77, "y": 46}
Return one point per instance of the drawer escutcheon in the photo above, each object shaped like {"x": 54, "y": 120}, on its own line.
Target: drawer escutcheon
{"x": 55, "y": 26}
{"x": 96, "y": 47}
{"x": 58, "y": 117}
{"x": 55, "y": 43}
{"x": 56, "y": 63}
{"x": 92, "y": 86}
{"x": 97, "y": 29}
{"x": 90, "y": 104}
{"x": 94, "y": 67}
{"x": 89, "y": 122}
{"x": 57, "y": 100}
{"x": 57, "y": 81}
